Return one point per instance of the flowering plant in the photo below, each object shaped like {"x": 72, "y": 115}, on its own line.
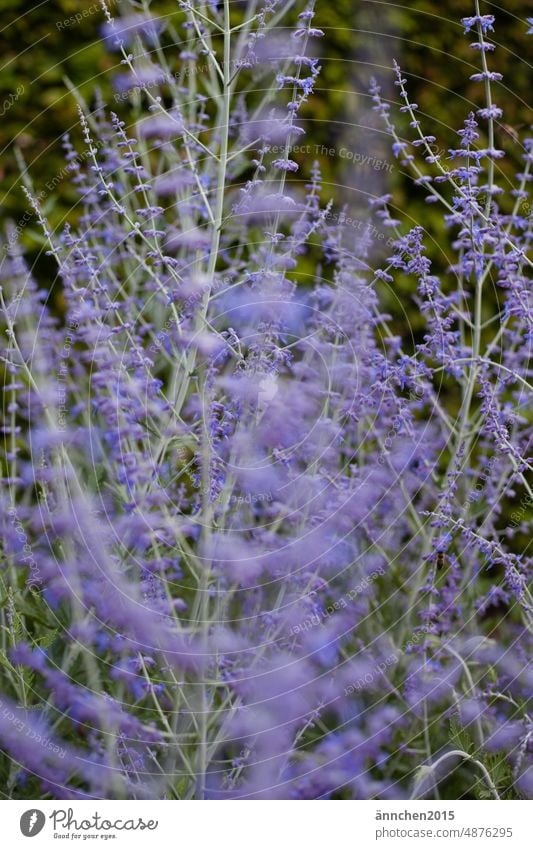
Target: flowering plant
{"x": 257, "y": 543}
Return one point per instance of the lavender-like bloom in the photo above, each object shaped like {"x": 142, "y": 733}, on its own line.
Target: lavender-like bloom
{"x": 123, "y": 30}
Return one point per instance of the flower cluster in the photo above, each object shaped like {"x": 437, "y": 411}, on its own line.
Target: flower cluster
{"x": 207, "y": 445}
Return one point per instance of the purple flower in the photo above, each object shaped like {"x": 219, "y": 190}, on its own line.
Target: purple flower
{"x": 285, "y": 165}
{"x": 263, "y": 534}
{"x": 124, "y": 30}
